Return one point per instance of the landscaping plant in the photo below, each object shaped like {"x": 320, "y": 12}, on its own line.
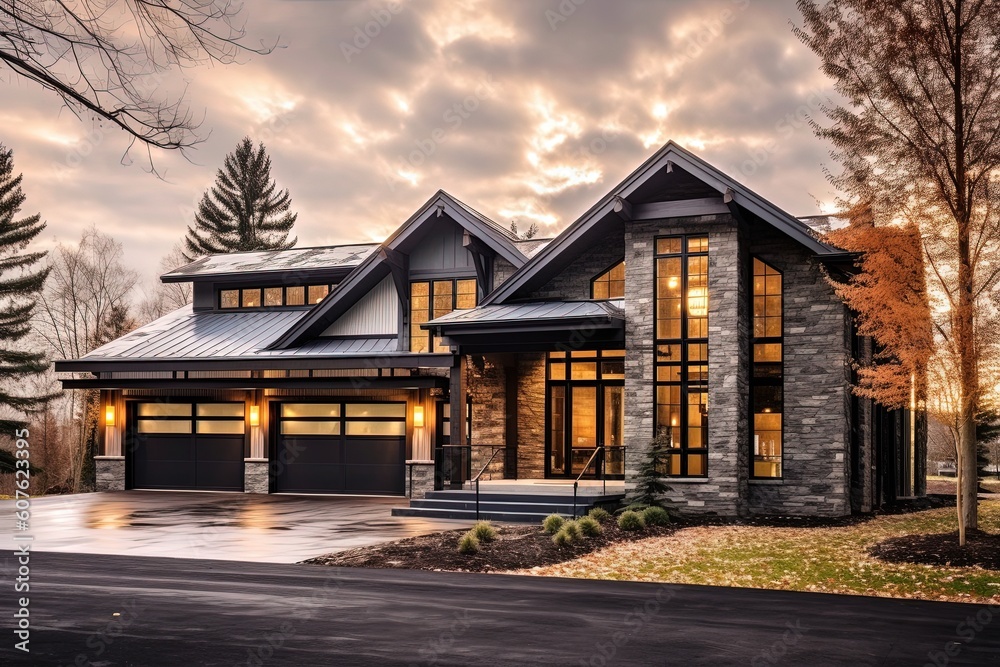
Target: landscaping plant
{"x": 589, "y": 526}
{"x": 631, "y": 520}
{"x": 552, "y": 523}
{"x": 468, "y": 544}
{"x": 484, "y": 531}
{"x": 599, "y": 514}
{"x": 655, "y": 516}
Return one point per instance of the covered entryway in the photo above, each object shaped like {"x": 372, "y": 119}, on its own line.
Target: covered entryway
{"x": 339, "y": 447}
{"x": 187, "y": 445}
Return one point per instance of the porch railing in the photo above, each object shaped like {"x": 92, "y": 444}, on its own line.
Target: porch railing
{"x": 600, "y": 458}
{"x": 496, "y": 450}
{"x": 454, "y": 463}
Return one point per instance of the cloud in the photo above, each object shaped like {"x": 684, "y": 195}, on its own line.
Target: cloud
{"x": 370, "y": 107}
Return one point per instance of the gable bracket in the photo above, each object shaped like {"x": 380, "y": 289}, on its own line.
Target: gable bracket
{"x": 482, "y": 257}
{"x": 399, "y": 267}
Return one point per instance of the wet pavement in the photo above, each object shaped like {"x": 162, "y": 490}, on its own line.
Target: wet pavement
{"x": 216, "y": 526}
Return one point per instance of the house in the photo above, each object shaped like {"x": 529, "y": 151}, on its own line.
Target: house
{"x": 681, "y": 304}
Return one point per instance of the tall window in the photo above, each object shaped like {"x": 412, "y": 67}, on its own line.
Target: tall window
{"x": 681, "y": 356}
{"x": 610, "y": 284}
{"x": 430, "y": 299}
{"x": 767, "y": 391}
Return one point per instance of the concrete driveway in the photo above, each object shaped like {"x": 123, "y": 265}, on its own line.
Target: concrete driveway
{"x": 217, "y": 526}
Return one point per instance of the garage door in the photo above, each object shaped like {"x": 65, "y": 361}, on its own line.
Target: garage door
{"x": 340, "y": 448}
{"x": 196, "y": 446}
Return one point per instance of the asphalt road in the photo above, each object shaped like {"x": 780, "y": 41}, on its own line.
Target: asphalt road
{"x": 198, "y": 612}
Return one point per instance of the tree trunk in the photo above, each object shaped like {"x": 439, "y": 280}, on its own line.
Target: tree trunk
{"x": 969, "y": 480}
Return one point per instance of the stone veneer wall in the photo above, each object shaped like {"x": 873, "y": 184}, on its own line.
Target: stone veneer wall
{"x": 574, "y": 281}
{"x": 531, "y": 416}
{"x": 817, "y": 418}
{"x": 723, "y": 492}
{"x": 255, "y": 476}
{"x": 110, "y": 472}
{"x": 487, "y": 385}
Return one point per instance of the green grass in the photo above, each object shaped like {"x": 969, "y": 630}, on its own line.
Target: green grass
{"x": 833, "y": 560}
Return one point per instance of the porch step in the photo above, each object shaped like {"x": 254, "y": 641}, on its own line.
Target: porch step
{"x": 512, "y": 507}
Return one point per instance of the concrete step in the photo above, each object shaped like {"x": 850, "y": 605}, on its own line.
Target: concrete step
{"x": 465, "y": 515}
{"x": 494, "y": 496}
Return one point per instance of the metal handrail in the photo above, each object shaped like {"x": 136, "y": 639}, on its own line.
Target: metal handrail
{"x": 475, "y": 479}
{"x": 576, "y": 482}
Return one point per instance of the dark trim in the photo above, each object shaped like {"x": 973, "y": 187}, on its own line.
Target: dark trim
{"x": 602, "y": 273}
{"x": 359, "y": 383}
{"x": 685, "y": 385}
{"x": 250, "y": 277}
{"x": 766, "y": 382}
{"x": 278, "y": 362}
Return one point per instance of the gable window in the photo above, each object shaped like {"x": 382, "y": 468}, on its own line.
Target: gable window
{"x": 681, "y": 352}
{"x": 610, "y": 284}
{"x": 430, "y": 299}
{"x": 767, "y": 378}
{"x": 273, "y": 297}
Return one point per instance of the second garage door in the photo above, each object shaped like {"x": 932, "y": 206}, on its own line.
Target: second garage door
{"x": 340, "y": 447}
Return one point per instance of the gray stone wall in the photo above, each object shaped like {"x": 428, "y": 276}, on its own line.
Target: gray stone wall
{"x": 487, "y": 385}
{"x": 422, "y": 475}
{"x": 574, "y": 281}
{"x": 817, "y": 421}
{"x": 531, "y": 416}
{"x": 110, "y": 473}
{"x": 724, "y": 490}
{"x": 502, "y": 270}
{"x": 255, "y": 476}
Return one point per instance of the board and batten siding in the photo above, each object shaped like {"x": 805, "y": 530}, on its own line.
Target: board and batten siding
{"x": 376, "y": 313}
{"x": 440, "y": 251}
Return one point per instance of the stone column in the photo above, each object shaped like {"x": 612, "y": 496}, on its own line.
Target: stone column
{"x": 255, "y": 476}
{"x": 422, "y": 475}
{"x": 110, "y": 473}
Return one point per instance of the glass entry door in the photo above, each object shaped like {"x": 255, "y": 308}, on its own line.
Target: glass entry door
{"x": 585, "y": 409}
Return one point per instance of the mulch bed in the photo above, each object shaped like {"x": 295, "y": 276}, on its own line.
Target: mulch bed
{"x": 981, "y": 549}
{"x": 516, "y": 547}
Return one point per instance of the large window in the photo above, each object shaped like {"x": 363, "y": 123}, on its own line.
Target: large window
{"x": 273, "y": 297}
{"x": 681, "y": 354}
{"x": 435, "y": 298}
{"x": 767, "y": 391}
{"x": 610, "y": 284}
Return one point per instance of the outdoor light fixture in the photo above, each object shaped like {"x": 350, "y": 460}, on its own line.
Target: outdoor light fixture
{"x": 254, "y": 415}
{"x": 698, "y": 301}
{"x": 418, "y": 416}
{"x": 109, "y": 415}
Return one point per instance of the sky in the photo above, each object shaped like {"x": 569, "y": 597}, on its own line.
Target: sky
{"x": 527, "y": 110}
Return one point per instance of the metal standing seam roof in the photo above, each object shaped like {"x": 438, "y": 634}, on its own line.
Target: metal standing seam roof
{"x": 531, "y": 312}
{"x": 214, "y": 335}
{"x": 295, "y": 259}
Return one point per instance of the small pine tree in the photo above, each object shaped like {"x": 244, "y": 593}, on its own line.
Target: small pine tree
{"x": 244, "y": 210}
{"x": 21, "y": 283}
{"x": 649, "y": 486}
{"x": 529, "y": 233}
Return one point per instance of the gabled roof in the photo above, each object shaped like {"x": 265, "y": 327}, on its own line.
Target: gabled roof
{"x": 712, "y": 180}
{"x": 344, "y": 257}
{"x": 375, "y": 267}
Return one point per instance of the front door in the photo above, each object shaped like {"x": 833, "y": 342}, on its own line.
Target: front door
{"x": 585, "y": 409}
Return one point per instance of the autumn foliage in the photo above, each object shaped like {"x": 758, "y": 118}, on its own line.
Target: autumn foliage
{"x": 888, "y": 293}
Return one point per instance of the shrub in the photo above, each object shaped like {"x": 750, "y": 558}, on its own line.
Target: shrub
{"x": 589, "y": 526}
{"x": 655, "y": 516}
{"x": 631, "y": 520}
{"x": 468, "y": 544}
{"x": 484, "y": 531}
{"x": 599, "y": 514}
{"x": 561, "y": 538}
{"x": 572, "y": 529}
{"x": 552, "y": 523}
{"x": 649, "y": 484}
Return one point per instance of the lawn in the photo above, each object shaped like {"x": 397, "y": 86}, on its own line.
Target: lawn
{"x": 829, "y": 559}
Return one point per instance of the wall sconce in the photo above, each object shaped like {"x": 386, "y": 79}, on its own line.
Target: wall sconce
{"x": 254, "y": 415}
{"x": 109, "y": 415}
{"x": 418, "y": 416}
{"x": 698, "y": 301}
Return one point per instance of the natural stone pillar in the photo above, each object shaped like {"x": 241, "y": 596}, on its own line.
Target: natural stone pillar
{"x": 110, "y": 473}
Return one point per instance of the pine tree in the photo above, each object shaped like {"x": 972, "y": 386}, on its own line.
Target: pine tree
{"x": 649, "y": 483}
{"x": 244, "y": 210}
{"x": 21, "y": 283}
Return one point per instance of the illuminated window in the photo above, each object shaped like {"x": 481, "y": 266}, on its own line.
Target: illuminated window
{"x": 274, "y": 296}
{"x": 610, "y": 284}
{"x": 681, "y": 351}
{"x": 430, "y": 299}
{"x": 767, "y": 379}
